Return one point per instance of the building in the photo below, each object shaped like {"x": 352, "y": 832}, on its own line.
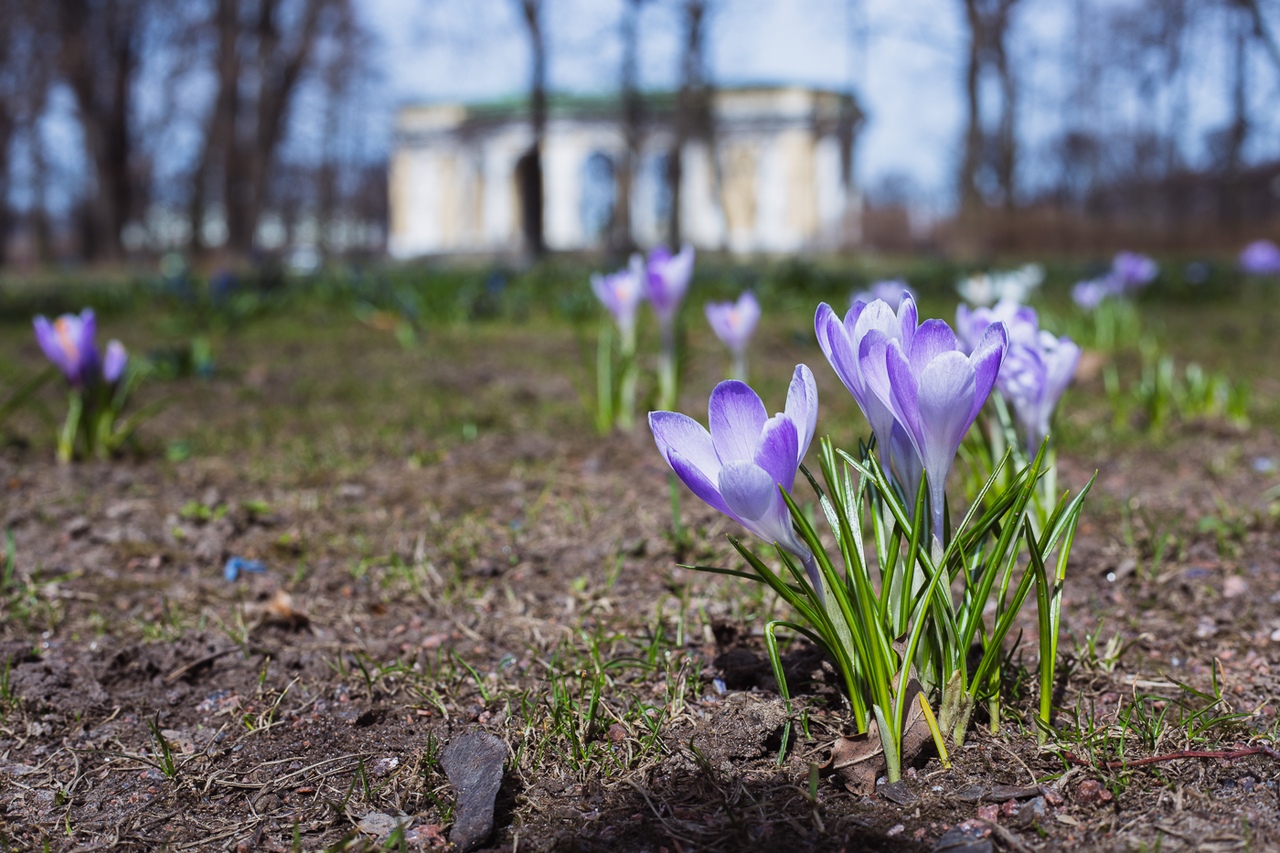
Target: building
{"x": 777, "y": 178}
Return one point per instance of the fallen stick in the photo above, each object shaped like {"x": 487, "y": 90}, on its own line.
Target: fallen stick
{"x": 1228, "y": 754}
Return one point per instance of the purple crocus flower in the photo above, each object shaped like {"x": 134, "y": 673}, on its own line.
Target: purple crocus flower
{"x": 1089, "y": 294}
{"x": 1033, "y": 378}
{"x": 1020, "y": 321}
{"x": 667, "y": 280}
{"x": 734, "y": 322}
{"x": 1261, "y": 257}
{"x": 68, "y": 343}
{"x": 843, "y": 341}
{"x": 738, "y": 466}
{"x": 889, "y": 292}
{"x": 114, "y": 362}
{"x": 935, "y": 392}
{"x": 620, "y": 293}
{"x": 1132, "y": 271}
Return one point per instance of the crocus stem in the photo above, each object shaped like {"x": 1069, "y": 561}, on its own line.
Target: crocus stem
{"x": 677, "y": 528}
{"x": 740, "y": 366}
{"x": 67, "y": 441}
{"x": 667, "y": 369}
{"x": 811, "y": 569}
{"x": 604, "y": 380}
{"x": 938, "y": 503}
{"x": 627, "y": 389}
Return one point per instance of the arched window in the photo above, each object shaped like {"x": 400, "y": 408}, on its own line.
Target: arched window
{"x": 599, "y": 195}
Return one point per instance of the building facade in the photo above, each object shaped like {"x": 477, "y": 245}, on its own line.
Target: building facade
{"x": 773, "y": 176}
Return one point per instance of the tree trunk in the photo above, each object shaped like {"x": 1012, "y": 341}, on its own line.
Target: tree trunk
{"x": 621, "y": 238}
{"x": 99, "y": 58}
{"x": 250, "y": 111}
{"x": 690, "y": 102}
{"x": 970, "y": 197}
{"x": 219, "y": 133}
{"x": 1231, "y": 201}
{"x": 529, "y": 170}
{"x": 1006, "y": 137}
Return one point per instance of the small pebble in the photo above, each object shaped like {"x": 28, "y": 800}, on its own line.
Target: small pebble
{"x": 990, "y": 812}
{"x": 1033, "y": 810}
{"x": 1091, "y": 792}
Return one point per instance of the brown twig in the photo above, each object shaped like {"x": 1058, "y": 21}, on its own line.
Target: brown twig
{"x": 1007, "y": 838}
{"x": 210, "y": 658}
{"x": 1227, "y": 754}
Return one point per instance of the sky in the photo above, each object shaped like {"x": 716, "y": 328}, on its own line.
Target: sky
{"x": 901, "y": 58}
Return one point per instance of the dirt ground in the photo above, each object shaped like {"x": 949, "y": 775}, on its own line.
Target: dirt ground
{"x": 450, "y": 549}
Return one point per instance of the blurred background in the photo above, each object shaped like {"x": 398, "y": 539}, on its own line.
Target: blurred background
{"x": 213, "y": 132}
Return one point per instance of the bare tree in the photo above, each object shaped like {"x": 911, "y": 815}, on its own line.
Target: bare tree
{"x": 264, "y": 48}
{"x": 622, "y": 239}
{"x": 693, "y": 105}
{"x": 26, "y": 74}
{"x": 529, "y": 167}
{"x": 988, "y": 23}
{"x": 99, "y": 55}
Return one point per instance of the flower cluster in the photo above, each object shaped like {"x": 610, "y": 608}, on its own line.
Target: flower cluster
{"x": 739, "y": 465}
{"x": 889, "y": 291}
{"x": 1261, "y": 257}
{"x": 1130, "y": 272}
{"x": 97, "y": 381}
{"x": 916, "y": 387}
{"x": 734, "y": 323}
{"x": 921, "y": 387}
{"x": 987, "y": 288}
{"x": 620, "y": 293}
{"x": 662, "y": 280}
{"x": 69, "y": 342}
{"x": 1037, "y": 368}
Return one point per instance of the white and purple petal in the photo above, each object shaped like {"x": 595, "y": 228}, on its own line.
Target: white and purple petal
{"x": 737, "y": 416}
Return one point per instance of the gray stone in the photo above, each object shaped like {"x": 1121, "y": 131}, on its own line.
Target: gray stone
{"x": 473, "y": 763}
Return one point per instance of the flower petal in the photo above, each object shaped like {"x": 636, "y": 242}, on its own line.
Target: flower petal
{"x": 675, "y": 431}
{"x": 704, "y": 487}
{"x": 737, "y": 416}
{"x": 908, "y": 320}
{"x": 802, "y": 408}
{"x": 903, "y": 391}
{"x": 753, "y": 498}
{"x": 834, "y": 342}
{"x": 779, "y": 444}
{"x": 932, "y": 339}
{"x": 876, "y": 315}
{"x": 878, "y": 406}
{"x": 47, "y": 338}
{"x": 987, "y": 357}
{"x": 114, "y": 362}
{"x": 946, "y": 395}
